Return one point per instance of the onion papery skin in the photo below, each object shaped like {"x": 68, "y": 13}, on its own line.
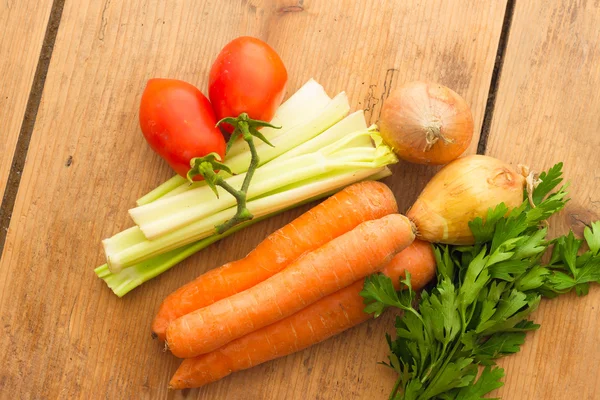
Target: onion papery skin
{"x": 426, "y": 123}
{"x": 460, "y": 192}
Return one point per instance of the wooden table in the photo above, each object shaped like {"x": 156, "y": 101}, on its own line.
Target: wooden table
{"x": 73, "y": 161}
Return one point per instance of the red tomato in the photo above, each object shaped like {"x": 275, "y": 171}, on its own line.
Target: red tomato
{"x": 247, "y": 77}
{"x": 179, "y": 123}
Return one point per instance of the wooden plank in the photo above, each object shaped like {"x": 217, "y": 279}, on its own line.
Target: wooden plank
{"x": 546, "y": 112}
{"x": 23, "y": 25}
{"x": 64, "y": 334}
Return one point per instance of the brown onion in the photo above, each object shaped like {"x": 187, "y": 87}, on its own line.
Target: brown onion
{"x": 426, "y": 123}
{"x": 460, "y": 192}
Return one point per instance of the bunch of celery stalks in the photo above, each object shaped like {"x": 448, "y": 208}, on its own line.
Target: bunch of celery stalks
{"x": 318, "y": 150}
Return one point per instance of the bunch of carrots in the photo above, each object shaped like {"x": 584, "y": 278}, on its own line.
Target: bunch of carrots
{"x": 300, "y": 286}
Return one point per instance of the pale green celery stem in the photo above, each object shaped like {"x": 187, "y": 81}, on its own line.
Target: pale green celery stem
{"x": 161, "y": 190}
{"x": 123, "y": 282}
{"x": 133, "y": 253}
{"x": 158, "y": 218}
{"x": 201, "y": 207}
{"x": 130, "y": 278}
{"x": 330, "y": 116}
{"x": 334, "y": 112}
{"x": 384, "y": 173}
{"x": 123, "y": 240}
{"x": 300, "y": 108}
{"x": 352, "y": 123}
{"x": 344, "y": 158}
{"x": 187, "y": 186}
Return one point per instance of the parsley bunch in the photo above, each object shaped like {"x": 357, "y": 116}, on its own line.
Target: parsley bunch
{"x": 477, "y": 312}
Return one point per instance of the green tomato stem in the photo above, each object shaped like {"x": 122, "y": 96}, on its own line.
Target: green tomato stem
{"x": 254, "y": 159}
{"x": 245, "y": 127}
{"x": 242, "y": 214}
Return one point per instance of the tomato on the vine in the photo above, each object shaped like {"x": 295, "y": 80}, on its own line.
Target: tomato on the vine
{"x": 249, "y": 77}
{"x": 178, "y": 122}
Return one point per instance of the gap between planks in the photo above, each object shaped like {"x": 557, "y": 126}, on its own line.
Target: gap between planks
{"x": 488, "y": 114}
{"x": 33, "y": 104}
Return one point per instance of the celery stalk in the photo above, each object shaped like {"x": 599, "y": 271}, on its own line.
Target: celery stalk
{"x": 352, "y": 123}
{"x": 184, "y": 187}
{"x": 168, "y": 214}
{"x": 134, "y": 252}
{"x": 161, "y": 190}
{"x": 290, "y": 138}
{"x": 300, "y": 109}
{"x": 123, "y": 282}
{"x": 123, "y": 240}
{"x": 330, "y": 115}
{"x": 308, "y": 102}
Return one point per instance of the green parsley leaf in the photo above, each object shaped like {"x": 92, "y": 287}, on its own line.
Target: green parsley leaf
{"x": 379, "y": 293}
{"x": 509, "y": 324}
{"x": 456, "y": 374}
{"x": 498, "y": 345}
{"x": 532, "y": 279}
{"x": 445, "y": 264}
{"x": 551, "y": 205}
{"x": 532, "y": 245}
{"x": 592, "y": 237}
{"x": 484, "y": 231}
{"x": 440, "y": 311}
{"x": 475, "y": 279}
{"x": 561, "y": 282}
{"x": 489, "y": 380}
{"x": 509, "y": 270}
{"x": 508, "y": 305}
{"x": 549, "y": 181}
{"x": 569, "y": 246}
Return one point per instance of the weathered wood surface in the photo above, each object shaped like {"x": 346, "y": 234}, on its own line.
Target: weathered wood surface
{"x": 64, "y": 335}
{"x": 546, "y": 112}
{"x": 23, "y": 25}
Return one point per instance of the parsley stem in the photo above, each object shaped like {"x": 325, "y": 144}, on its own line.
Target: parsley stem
{"x": 441, "y": 369}
{"x": 395, "y": 388}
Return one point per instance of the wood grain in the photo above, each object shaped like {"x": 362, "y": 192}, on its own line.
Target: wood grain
{"x": 546, "y": 112}
{"x": 23, "y": 25}
{"x": 64, "y": 334}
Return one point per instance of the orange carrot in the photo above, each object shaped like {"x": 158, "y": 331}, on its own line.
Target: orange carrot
{"x": 333, "y": 266}
{"x": 317, "y": 322}
{"x": 333, "y": 217}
